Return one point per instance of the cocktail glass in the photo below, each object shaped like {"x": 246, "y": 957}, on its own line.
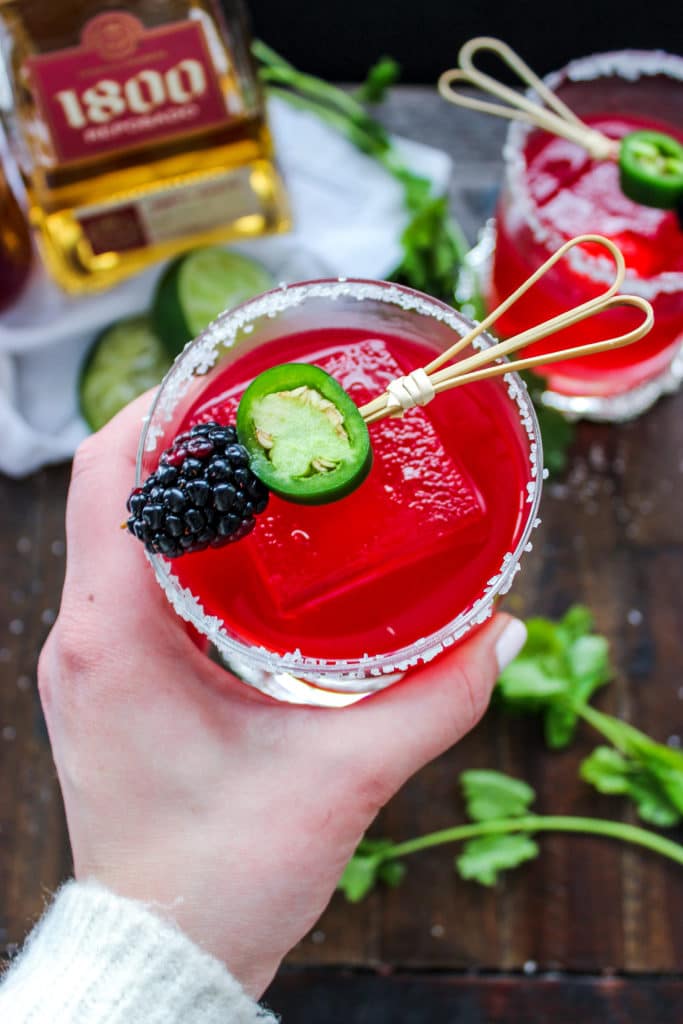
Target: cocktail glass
{"x": 553, "y": 190}
{"x": 325, "y": 604}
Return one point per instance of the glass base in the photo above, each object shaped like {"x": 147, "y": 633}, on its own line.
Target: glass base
{"x": 619, "y": 408}
{"x": 626, "y": 405}
{"x": 291, "y": 689}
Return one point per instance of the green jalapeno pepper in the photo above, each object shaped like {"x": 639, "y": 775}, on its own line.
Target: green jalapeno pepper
{"x": 651, "y": 169}
{"x": 306, "y": 438}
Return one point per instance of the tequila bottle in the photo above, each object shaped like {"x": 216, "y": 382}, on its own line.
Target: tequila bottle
{"x": 140, "y": 132}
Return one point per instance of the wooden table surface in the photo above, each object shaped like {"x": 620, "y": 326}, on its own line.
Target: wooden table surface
{"x": 591, "y": 930}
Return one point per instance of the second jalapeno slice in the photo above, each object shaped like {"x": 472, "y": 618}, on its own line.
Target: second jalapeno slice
{"x": 306, "y": 438}
{"x": 651, "y": 169}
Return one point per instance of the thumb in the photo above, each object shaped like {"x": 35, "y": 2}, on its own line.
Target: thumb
{"x": 411, "y": 723}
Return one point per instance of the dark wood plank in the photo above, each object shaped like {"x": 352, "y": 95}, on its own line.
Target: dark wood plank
{"x": 324, "y": 997}
{"x": 33, "y": 843}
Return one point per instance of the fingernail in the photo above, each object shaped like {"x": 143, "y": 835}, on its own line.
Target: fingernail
{"x": 510, "y": 643}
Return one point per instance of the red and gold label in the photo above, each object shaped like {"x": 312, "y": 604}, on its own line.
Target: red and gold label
{"x": 126, "y": 85}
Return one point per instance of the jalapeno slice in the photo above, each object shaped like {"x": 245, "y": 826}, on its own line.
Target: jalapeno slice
{"x": 305, "y": 436}
{"x": 651, "y": 169}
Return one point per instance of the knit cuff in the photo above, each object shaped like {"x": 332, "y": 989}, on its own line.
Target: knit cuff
{"x": 96, "y": 956}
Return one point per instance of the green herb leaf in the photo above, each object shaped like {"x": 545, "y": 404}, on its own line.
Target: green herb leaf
{"x": 607, "y": 770}
{"x": 612, "y": 773}
{"x": 417, "y": 190}
{"x": 557, "y": 672}
{"x": 588, "y": 663}
{"x": 577, "y": 621}
{"x": 484, "y": 858}
{"x": 528, "y": 685}
{"x": 490, "y": 794}
{"x": 392, "y": 873}
{"x": 365, "y": 869}
{"x": 380, "y": 78}
{"x": 671, "y": 780}
{"x": 432, "y": 252}
{"x": 359, "y": 878}
{"x": 588, "y": 658}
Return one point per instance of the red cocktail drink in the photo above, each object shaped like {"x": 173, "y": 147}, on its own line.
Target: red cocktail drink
{"x": 350, "y": 593}
{"x": 555, "y": 190}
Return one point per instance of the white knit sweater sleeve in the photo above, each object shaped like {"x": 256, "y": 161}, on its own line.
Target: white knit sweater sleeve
{"x": 97, "y": 957}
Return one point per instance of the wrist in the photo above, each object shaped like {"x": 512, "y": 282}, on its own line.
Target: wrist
{"x": 200, "y": 918}
{"x": 95, "y": 949}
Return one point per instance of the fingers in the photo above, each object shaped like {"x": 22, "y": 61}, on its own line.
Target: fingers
{"x": 401, "y": 729}
{"x": 104, "y": 563}
{"x": 112, "y": 606}
{"x": 102, "y": 478}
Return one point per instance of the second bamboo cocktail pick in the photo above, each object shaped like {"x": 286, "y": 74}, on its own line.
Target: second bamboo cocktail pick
{"x": 650, "y": 162}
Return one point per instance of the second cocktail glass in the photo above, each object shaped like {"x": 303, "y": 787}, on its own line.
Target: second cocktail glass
{"x": 553, "y": 190}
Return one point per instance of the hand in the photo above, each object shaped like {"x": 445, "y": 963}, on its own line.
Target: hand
{"x": 233, "y": 815}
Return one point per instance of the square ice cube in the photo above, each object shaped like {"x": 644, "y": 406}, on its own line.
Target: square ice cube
{"x": 415, "y": 499}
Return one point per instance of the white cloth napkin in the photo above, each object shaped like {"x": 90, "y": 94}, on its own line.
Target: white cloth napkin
{"x": 348, "y": 216}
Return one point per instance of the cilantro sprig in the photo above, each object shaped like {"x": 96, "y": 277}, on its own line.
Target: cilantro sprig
{"x": 433, "y": 246}
{"x": 561, "y": 667}
{"x": 557, "y": 673}
{"x": 499, "y": 836}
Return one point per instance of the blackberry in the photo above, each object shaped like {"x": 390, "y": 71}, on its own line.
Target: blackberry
{"x": 202, "y": 494}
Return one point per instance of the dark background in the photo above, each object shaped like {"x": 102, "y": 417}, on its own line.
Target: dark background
{"x": 340, "y": 39}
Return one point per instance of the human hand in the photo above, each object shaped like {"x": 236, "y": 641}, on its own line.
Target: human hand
{"x": 231, "y": 814}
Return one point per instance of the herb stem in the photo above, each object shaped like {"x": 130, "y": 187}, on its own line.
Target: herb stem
{"x": 367, "y": 142}
{"x": 274, "y": 70}
{"x": 611, "y": 728}
{"x": 433, "y": 247}
{"x": 317, "y": 90}
{"x": 533, "y": 823}
{"x": 332, "y": 105}
{"x": 631, "y": 741}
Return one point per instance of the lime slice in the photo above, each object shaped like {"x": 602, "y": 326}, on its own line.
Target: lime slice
{"x": 198, "y": 286}
{"x": 124, "y": 360}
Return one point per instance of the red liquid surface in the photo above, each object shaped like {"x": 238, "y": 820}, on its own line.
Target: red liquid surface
{"x": 406, "y": 552}
{"x": 573, "y": 194}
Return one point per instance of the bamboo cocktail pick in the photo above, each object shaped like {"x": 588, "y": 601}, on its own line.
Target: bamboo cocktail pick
{"x": 551, "y": 114}
{"x": 421, "y": 385}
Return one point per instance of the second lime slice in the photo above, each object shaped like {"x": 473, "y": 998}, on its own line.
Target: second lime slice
{"x": 126, "y": 359}
{"x": 196, "y": 287}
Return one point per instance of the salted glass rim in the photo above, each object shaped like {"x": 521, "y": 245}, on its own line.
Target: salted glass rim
{"x": 200, "y": 355}
{"x": 631, "y": 65}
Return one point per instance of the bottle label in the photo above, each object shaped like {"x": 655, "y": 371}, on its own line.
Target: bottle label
{"x": 127, "y": 85}
{"x": 170, "y": 213}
